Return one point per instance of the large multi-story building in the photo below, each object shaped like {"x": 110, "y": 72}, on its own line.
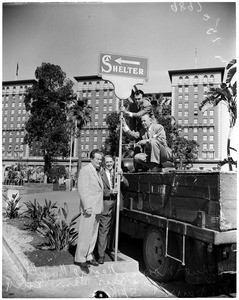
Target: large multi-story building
{"x": 189, "y": 87}
{"x": 101, "y": 97}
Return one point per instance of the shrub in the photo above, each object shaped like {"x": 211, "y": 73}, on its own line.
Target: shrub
{"x": 60, "y": 233}
{"x": 37, "y": 212}
{"x": 12, "y": 208}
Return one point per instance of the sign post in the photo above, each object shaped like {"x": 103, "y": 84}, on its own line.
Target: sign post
{"x": 124, "y": 72}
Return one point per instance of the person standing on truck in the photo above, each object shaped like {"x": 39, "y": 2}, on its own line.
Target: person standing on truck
{"x": 139, "y": 107}
{"x": 107, "y": 218}
{"x": 151, "y": 140}
{"x": 90, "y": 187}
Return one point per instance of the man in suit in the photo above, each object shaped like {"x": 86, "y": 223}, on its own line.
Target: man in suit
{"x": 137, "y": 108}
{"x": 107, "y": 218}
{"x": 152, "y": 141}
{"x": 90, "y": 187}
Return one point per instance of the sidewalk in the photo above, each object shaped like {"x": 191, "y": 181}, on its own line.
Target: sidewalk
{"x": 123, "y": 285}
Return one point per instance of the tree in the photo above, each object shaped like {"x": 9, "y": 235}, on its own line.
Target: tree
{"x": 227, "y": 94}
{"x": 47, "y": 101}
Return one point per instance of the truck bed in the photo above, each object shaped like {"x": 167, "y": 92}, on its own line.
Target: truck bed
{"x": 203, "y": 199}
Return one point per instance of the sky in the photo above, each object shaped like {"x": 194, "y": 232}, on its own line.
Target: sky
{"x": 71, "y": 35}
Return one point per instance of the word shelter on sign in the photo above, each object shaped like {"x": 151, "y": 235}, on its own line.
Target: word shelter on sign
{"x": 122, "y": 65}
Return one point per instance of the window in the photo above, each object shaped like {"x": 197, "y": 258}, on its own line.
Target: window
{"x": 180, "y": 121}
{"x": 87, "y": 131}
{"x": 95, "y": 138}
{"x": 204, "y": 138}
{"x": 211, "y": 147}
{"x": 10, "y": 139}
{"x": 186, "y": 97}
{"x": 96, "y": 116}
{"x": 6, "y": 105}
{"x": 104, "y": 123}
{"x": 13, "y": 104}
{"x": 186, "y": 137}
{"x": 104, "y": 108}
{"x": 96, "y": 123}
{"x": 205, "y": 79}
{"x": 84, "y": 94}
{"x": 96, "y": 101}
{"x": 195, "y": 89}
{"x": 95, "y": 131}
{"x": 204, "y": 129}
{"x": 103, "y": 139}
{"x": 19, "y": 111}
{"x": 211, "y": 79}
{"x": 20, "y": 104}
{"x": 204, "y": 121}
{"x": 110, "y": 108}
{"x": 111, "y": 93}
{"x": 204, "y": 146}
{"x": 17, "y": 139}
{"x": 186, "y": 113}
{"x": 104, "y": 116}
{"x": 103, "y": 131}
{"x": 18, "y": 118}
{"x": 195, "y": 138}
{"x": 211, "y": 138}
{"x": 186, "y": 89}
{"x": 195, "y": 129}
{"x": 205, "y": 113}
{"x": 86, "y": 147}
{"x": 180, "y": 89}
{"x": 97, "y": 93}
{"x": 211, "y": 129}
{"x": 205, "y": 89}
{"x": 186, "y": 81}
{"x": 185, "y": 130}
{"x": 195, "y": 81}
{"x": 110, "y": 101}
{"x": 89, "y": 101}
{"x": 3, "y": 140}
{"x": 195, "y": 105}
{"x": 186, "y": 105}
{"x": 5, "y": 119}
{"x": 82, "y": 139}
{"x": 12, "y": 111}
{"x": 211, "y": 113}
{"x": 180, "y": 80}
{"x": 211, "y": 121}
{"x": 180, "y": 97}
{"x": 195, "y": 96}
{"x": 105, "y": 93}
{"x": 186, "y": 121}
{"x": 105, "y": 100}
{"x": 180, "y": 106}
{"x": 97, "y": 108}
{"x": 87, "y": 139}
{"x": 180, "y": 114}
{"x": 195, "y": 121}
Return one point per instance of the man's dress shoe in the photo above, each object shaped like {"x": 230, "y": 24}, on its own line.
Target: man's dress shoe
{"x": 83, "y": 265}
{"x": 92, "y": 262}
{"x": 101, "y": 260}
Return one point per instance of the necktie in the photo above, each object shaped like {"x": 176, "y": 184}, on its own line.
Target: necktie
{"x": 112, "y": 179}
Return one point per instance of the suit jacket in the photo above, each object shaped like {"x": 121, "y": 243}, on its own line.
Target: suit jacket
{"x": 156, "y": 132}
{"x": 90, "y": 187}
{"x": 106, "y": 183}
{"x": 144, "y": 108}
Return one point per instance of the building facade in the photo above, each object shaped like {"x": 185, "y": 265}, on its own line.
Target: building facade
{"x": 189, "y": 87}
{"x": 101, "y": 97}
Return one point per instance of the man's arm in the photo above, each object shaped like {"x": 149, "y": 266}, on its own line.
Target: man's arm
{"x": 84, "y": 186}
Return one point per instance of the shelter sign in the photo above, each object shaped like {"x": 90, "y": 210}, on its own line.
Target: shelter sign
{"x": 123, "y": 66}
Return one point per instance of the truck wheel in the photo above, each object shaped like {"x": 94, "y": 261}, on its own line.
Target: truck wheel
{"x": 158, "y": 266}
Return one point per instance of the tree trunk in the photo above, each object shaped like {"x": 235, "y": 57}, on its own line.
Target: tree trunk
{"x": 228, "y": 149}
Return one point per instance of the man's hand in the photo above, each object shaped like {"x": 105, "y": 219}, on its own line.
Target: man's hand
{"x": 88, "y": 211}
{"x": 142, "y": 142}
{"x": 114, "y": 191}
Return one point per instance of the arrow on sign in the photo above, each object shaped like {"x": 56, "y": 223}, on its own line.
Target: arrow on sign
{"x": 130, "y": 62}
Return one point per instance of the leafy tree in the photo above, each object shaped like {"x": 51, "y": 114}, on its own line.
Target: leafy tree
{"x": 184, "y": 152}
{"x": 227, "y": 94}
{"x": 47, "y": 101}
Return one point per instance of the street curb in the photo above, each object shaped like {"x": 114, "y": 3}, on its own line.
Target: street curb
{"x": 37, "y": 274}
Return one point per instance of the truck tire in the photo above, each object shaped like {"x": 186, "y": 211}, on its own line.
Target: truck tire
{"x": 158, "y": 266}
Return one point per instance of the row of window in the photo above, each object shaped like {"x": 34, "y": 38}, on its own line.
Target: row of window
{"x": 95, "y": 131}
{"x": 205, "y": 113}
{"x": 19, "y": 118}
{"x": 195, "y": 89}
{"x": 19, "y": 111}
{"x": 97, "y": 93}
{"x": 10, "y": 139}
{"x": 97, "y": 101}
{"x": 195, "y": 129}
{"x": 195, "y": 121}
{"x": 195, "y": 80}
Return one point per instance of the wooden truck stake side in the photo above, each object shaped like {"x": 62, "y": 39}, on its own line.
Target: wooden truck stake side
{"x": 188, "y": 221}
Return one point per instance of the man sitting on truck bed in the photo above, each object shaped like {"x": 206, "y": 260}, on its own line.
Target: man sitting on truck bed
{"x": 152, "y": 142}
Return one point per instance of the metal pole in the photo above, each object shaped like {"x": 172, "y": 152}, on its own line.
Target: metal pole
{"x": 118, "y": 186}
